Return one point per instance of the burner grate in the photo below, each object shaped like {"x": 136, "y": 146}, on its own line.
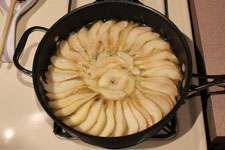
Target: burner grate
{"x": 169, "y": 131}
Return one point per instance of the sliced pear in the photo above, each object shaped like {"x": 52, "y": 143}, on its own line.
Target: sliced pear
{"x": 83, "y": 38}
{"x": 161, "y": 87}
{"x": 92, "y": 117}
{"x": 160, "y": 79}
{"x": 59, "y": 76}
{"x": 162, "y": 103}
{"x": 130, "y": 86}
{"x": 103, "y": 33}
{"x": 80, "y": 115}
{"x": 103, "y": 55}
{"x": 101, "y": 70}
{"x": 128, "y": 59}
{"x": 143, "y": 111}
{"x": 70, "y": 99}
{"x": 172, "y": 102}
{"x": 114, "y": 79}
{"x": 57, "y": 96}
{"x": 100, "y": 124}
{"x": 157, "y": 63}
{"x": 166, "y": 71}
{"x": 66, "y": 111}
{"x": 133, "y": 34}
{"x": 112, "y": 94}
{"x": 121, "y": 126}
{"x": 142, "y": 123}
{"x": 150, "y": 106}
{"x": 153, "y": 44}
{"x": 64, "y": 86}
{"x": 114, "y": 34}
{"x": 124, "y": 33}
{"x": 161, "y": 55}
{"x": 72, "y": 55}
{"x": 93, "y": 38}
{"x": 110, "y": 120}
{"x": 132, "y": 123}
{"x": 142, "y": 39}
{"x": 63, "y": 63}
{"x": 75, "y": 45}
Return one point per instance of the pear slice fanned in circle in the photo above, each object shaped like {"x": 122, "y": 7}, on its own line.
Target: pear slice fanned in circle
{"x": 66, "y": 111}
{"x": 150, "y": 106}
{"x": 80, "y": 115}
{"x": 92, "y": 117}
{"x": 142, "y": 123}
{"x": 110, "y": 120}
{"x": 100, "y": 124}
{"x": 132, "y": 123}
{"x": 121, "y": 125}
{"x": 64, "y": 86}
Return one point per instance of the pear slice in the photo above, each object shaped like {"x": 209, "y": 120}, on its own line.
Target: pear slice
{"x": 80, "y": 115}
{"x": 153, "y": 44}
{"x": 162, "y": 103}
{"x": 75, "y": 45}
{"x": 129, "y": 62}
{"x": 114, "y": 34}
{"x": 103, "y": 55}
{"x": 112, "y": 94}
{"x": 157, "y": 63}
{"x": 142, "y": 110}
{"x": 142, "y": 123}
{"x": 101, "y": 70}
{"x": 121, "y": 125}
{"x": 133, "y": 34}
{"x": 83, "y": 38}
{"x": 171, "y": 102}
{"x": 70, "y": 99}
{"x": 59, "y": 76}
{"x": 110, "y": 120}
{"x": 142, "y": 39}
{"x": 71, "y": 55}
{"x": 92, "y": 117}
{"x": 124, "y": 33}
{"x": 100, "y": 124}
{"x": 57, "y": 96}
{"x": 161, "y": 87}
{"x": 66, "y": 111}
{"x": 64, "y": 86}
{"x": 93, "y": 38}
{"x": 63, "y": 63}
{"x": 130, "y": 86}
{"x": 166, "y": 71}
{"x": 159, "y": 79}
{"x": 103, "y": 33}
{"x": 132, "y": 123}
{"x": 114, "y": 79}
{"x": 160, "y": 55}
{"x": 150, "y": 106}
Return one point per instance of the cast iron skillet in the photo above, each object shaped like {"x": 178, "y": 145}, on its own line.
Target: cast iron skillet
{"x": 101, "y": 10}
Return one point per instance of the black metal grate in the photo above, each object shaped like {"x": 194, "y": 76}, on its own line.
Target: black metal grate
{"x": 168, "y": 131}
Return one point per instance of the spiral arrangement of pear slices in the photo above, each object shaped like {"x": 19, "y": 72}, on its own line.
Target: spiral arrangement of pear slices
{"x": 114, "y": 79}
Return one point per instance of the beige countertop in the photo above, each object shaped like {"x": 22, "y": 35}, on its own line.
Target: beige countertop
{"x": 25, "y": 125}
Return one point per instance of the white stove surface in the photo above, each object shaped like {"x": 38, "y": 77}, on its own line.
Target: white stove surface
{"x": 25, "y": 125}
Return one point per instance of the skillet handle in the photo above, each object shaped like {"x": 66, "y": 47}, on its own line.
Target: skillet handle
{"x": 216, "y": 80}
{"x": 20, "y": 48}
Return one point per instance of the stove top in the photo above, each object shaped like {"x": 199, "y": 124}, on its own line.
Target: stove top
{"x": 25, "y": 125}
